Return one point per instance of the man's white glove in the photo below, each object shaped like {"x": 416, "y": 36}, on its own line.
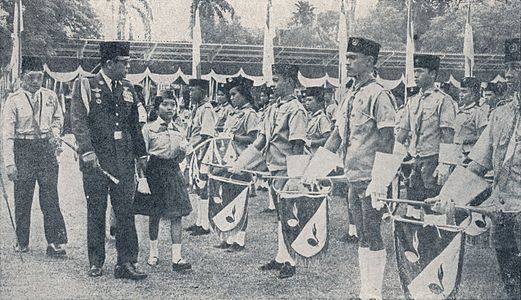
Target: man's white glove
{"x": 442, "y": 173}
{"x": 142, "y": 186}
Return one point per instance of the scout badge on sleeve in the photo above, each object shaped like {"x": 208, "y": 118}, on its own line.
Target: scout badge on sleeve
{"x": 429, "y": 258}
{"x": 304, "y": 218}
{"x": 228, "y": 208}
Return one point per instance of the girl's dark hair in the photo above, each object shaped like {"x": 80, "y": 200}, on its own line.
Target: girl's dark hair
{"x": 154, "y": 113}
{"x": 246, "y": 93}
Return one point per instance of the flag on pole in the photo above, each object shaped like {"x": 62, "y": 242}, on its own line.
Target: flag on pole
{"x": 468, "y": 46}
{"x": 197, "y": 40}
{"x": 409, "y": 54}
{"x": 342, "y": 43}
{"x": 16, "y": 55}
{"x": 268, "y": 58}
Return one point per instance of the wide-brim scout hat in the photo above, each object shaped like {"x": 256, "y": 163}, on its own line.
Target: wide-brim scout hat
{"x": 364, "y": 46}
{"x": 512, "y": 50}
{"x": 427, "y": 61}
{"x": 114, "y": 50}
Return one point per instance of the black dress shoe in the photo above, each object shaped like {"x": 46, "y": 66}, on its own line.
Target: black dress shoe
{"x": 272, "y": 265}
{"x": 200, "y": 231}
{"x": 222, "y": 245}
{"x": 95, "y": 271}
{"x": 287, "y": 271}
{"x": 181, "y": 266}
{"x": 191, "y": 228}
{"x": 350, "y": 239}
{"x": 56, "y": 251}
{"x": 235, "y": 248}
{"x": 21, "y": 249}
{"x": 128, "y": 271}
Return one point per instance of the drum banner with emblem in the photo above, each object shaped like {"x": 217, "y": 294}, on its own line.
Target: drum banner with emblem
{"x": 429, "y": 258}
{"x": 304, "y": 217}
{"x": 228, "y": 208}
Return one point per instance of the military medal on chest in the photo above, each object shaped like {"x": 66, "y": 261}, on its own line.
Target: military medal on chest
{"x": 97, "y": 95}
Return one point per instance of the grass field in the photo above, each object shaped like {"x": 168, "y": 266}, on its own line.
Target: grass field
{"x": 215, "y": 274}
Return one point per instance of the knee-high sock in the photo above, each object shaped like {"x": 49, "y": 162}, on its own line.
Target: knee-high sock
{"x": 198, "y": 212}
{"x": 154, "y": 252}
{"x": 176, "y": 253}
{"x": 205, "y": 222}
{"x": 363, "y": 261}
{"x": 271, "y": 201}
{"x": 375, "y": 274}
{"x": 240, "y": 238}
{"x": 282, "y": 251}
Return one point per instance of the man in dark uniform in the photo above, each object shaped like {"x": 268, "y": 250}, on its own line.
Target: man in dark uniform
{"x": 104, "y": 118}
{"x": 32, "y": 121}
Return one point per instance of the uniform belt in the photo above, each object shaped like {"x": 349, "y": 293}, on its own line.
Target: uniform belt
{"x": 32, "y": 136}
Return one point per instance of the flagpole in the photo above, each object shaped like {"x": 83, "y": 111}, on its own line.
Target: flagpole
{"x": 16, "y": 54}
{"x": 468, "y": 44}
{"x": 196, "y": 45}
{"x": 268, "y": 57}
{"x": 409, "y": 56}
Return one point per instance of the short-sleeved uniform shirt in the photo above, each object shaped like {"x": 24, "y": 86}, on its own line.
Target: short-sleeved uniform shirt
{"x": 499, "y": 149}
{"x": 203, "y": 121}
{"x": 221, "y": 113}
{"x": 318, "y": 126}
{"x": 424, "y": 116}
{"x": 469, "y": 122}
{"x": 283, "y": 122}
{"x": 367, "y": 108}
{"x": 243, "y": 121}
{"x": 26, "y": 114}
{"x": 163, "y": 139}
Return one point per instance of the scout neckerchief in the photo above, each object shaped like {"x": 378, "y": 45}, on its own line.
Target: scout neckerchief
{"x": 356, "y": 89}
{"x": 36, "y": 107}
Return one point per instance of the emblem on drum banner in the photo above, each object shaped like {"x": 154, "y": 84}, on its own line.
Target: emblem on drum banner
{"x": 429, "y": 258}
{"x": 305, "y": 226}
{"x": 228, "y": 203}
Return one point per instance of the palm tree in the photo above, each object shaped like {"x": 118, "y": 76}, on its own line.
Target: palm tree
{"x": 147, "y": 17}
{"x": 142, "y": 8}
{"x": 304, "y": 15}
{"x": 210, "y": 9}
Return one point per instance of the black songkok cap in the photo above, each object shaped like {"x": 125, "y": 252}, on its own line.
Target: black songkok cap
{"x": 431, "y": 62}
{"x": 496, "y": 87}
{"x": 32, "y": 63}
{"x": 513, "y": 50}
{"x": 315, "y": 91}
{"x": 239, "y": 80}
{"x": 471, "y": 82}
{"x": 201, "y": 83}
{"x": 364, "y": 46}
{"x": 285, "y": 70}
{"x": 113, "y": 50}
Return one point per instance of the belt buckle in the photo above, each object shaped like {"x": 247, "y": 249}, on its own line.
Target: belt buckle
{"x": 118, "y": 135}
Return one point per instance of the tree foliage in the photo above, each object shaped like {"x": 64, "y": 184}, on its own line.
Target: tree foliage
{"x": 212, "y": 10}
{"x": 229, "y": 32}
{"x": 304, "y": 14}
{"x": 47, "y": 22}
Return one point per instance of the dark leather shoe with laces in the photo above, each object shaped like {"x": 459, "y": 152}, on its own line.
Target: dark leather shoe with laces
{"x": 350, "y": 239}
{"x": 272, "y": 265}
{"x": 95, "y": 271}
{"x": 200, "y": 231}
{"x": 56, "y": 250}
{"x": 128, "y": 271}
{"x": 191, "y": 228}
{"x": 222, "y": 245}
{"x": 235, "y": 248}
{"x": 287, "y": 271}
{"x": 181, "y": 266}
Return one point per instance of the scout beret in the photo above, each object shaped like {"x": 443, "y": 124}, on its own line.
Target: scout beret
{"x": 32, "y": 63}
{"x": 513, "y": 50}
{"x": 470, "y": 82}
{"x": 426, "y": 61}
{"x": 113, "y": 50}
{"x": 315, "y": 91}
{"x": 285, "y": 70}
{"x": 239, "y": 80}
{"x": 201, "y": 83}
{"x": 364, "y": 46}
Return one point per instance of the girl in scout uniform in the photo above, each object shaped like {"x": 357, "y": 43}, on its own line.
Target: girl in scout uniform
{"x": 242, "y": 125}
{"x": 168, "y": 194}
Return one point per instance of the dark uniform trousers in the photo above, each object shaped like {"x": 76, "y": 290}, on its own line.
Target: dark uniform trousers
{"x": 97, "y": 187}
{"x": 422, "y": 184}
{"x": 36, "y": 162}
